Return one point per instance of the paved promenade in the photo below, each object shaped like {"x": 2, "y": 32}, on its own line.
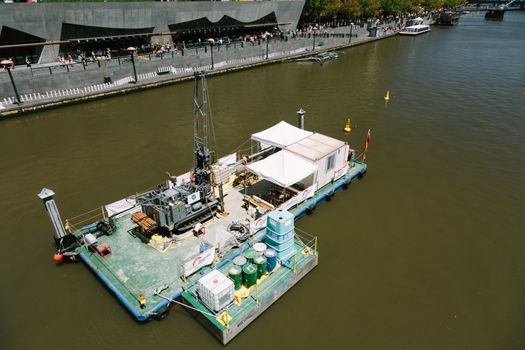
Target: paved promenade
{"x": 53, "y": 86}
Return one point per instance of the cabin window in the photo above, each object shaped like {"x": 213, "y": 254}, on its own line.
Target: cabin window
{"x": 330, "y": 163}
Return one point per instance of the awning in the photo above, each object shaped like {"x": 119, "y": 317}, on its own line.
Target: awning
{"x": 283, "y": 168}
{"x": 281, "y": 135}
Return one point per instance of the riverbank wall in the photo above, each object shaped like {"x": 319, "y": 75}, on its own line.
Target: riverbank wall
{"x": 84, "y": 85}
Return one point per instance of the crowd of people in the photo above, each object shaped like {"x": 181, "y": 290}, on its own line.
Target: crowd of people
{"x": 70, "y": 56}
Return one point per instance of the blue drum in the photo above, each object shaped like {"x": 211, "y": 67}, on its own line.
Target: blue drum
{"x": 271, "y": 258}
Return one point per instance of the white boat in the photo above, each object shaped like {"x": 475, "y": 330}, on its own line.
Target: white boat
{"x": 320, "y": 58}
{"x": 415, "y": 30}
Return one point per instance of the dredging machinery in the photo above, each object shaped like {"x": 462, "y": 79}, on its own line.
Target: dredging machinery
{"x": 180, "y": 204}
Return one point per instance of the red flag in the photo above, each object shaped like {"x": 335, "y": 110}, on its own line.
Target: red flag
{"x": 366, "y": 145}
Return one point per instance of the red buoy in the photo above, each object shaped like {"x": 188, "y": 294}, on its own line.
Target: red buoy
{"x": 58, "y": 258}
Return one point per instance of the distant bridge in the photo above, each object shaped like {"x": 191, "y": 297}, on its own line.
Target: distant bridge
{"x": 479, "y": 3}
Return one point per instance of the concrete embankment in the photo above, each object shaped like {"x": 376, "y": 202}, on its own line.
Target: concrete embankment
{"x": 68, "y": 87}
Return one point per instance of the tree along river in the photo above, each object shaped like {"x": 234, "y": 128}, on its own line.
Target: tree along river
{"x": 426, "y": 252}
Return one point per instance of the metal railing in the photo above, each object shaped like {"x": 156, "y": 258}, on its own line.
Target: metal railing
{"x": 181, "y": 71}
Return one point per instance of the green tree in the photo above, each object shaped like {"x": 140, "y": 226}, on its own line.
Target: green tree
{"x": 370, "y": 8}
{"x": 350, "y": 9}
{"x": 333, "y": 7}
{"x": 430, "y": 5}
{"x": 313, "y": 9}
{"x": 453, "y": 3}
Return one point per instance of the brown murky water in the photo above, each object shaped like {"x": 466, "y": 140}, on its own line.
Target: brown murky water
{"x": 426, "y": 252}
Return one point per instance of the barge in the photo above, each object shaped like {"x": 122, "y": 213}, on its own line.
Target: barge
{"x": 448, "y": 18}
{"x": 219, "y": 240}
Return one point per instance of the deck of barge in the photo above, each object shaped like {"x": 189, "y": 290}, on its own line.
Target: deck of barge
{"x": 134, "y": 268}
{"x": 269, "y": 288}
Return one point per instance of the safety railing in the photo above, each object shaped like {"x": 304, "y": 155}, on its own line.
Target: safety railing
{"x": 99, "y": 88}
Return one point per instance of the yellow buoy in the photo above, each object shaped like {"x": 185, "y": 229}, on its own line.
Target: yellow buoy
{"x": 347, "y": 127}
{"x": 387, "y": 96}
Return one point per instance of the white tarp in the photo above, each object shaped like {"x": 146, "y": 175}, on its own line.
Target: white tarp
{"x": 281, "y": 135}
{"x": 219, "y": 238}
{"x": 203, "y": 259}
{"x": 283, "y": 168}
{"x": 121, "y": 207}
{"x": 228, "y": 160}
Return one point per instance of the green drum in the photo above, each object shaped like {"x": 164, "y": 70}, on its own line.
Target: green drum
{"x": 249, "y": 254}
{"x": 235, "y": 273}
{"x": 262, "y": 266}
{"x": 249, "y": 275}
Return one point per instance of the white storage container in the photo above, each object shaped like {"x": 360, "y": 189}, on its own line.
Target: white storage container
{"x": 215, "y": 290}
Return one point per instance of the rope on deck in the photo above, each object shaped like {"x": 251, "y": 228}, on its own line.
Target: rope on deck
{"x": 182, "y": 304}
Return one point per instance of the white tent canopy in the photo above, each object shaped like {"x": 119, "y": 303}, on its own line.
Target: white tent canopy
{"x": 281, "y": 135}
{"x": 283, "y": 168}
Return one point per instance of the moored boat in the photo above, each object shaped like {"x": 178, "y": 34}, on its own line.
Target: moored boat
{"x": 497, "y": 14}
{"x": 447, "y": 18}
{"x": 320, "y": 58}
{"x": 415, "y": 30}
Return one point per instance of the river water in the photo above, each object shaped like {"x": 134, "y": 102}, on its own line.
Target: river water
{"x": 426, "y": 252}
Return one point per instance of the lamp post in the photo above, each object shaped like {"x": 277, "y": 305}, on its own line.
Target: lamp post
{"x": 267, "y": 40}
{"x": 313, "y": 45}
{"x": 131, "y": 51}
{"x": 351, "y": 28}
{"x": 7, "y": 64}
{"x": 211, "y": 51}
